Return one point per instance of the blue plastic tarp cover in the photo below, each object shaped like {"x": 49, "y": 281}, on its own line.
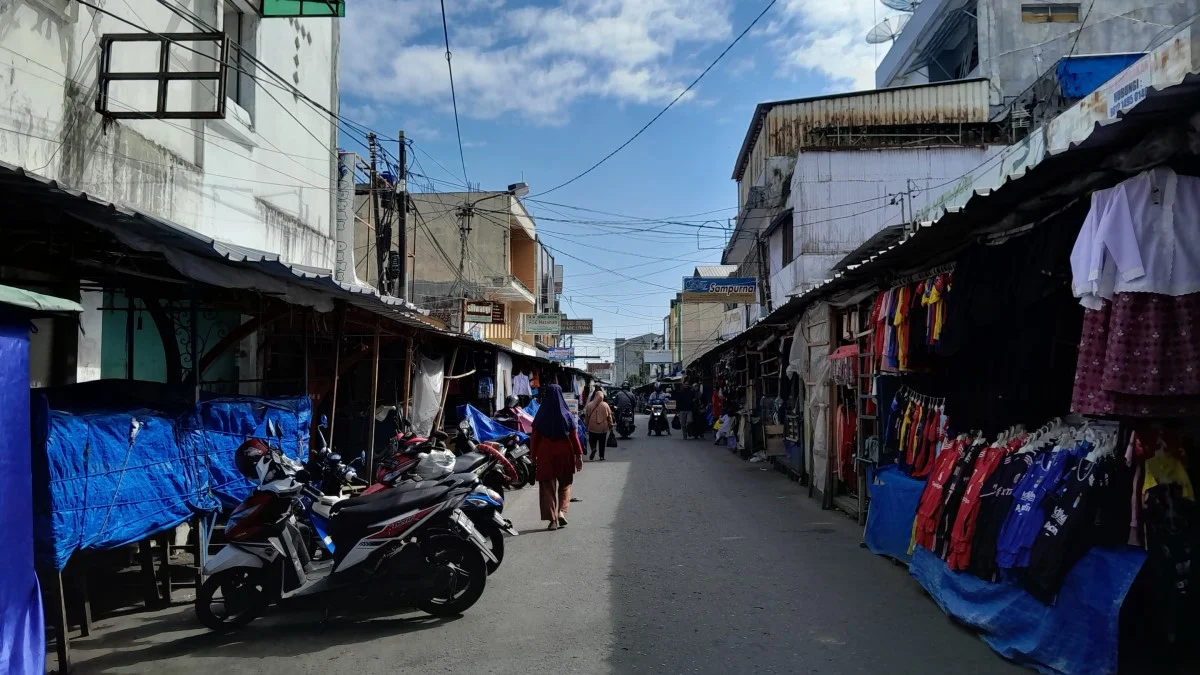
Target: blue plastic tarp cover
{"x": 22, "y": 627}
{"x": 216, "y": 429}
{"x": 533, "y": 407}
{"x": 106, "y": 479}
{"x": 1076, "y": 635}
{"x": 486, "y": 428}
{"x": 109, "y": 479}
{"x": 894, "y": 499}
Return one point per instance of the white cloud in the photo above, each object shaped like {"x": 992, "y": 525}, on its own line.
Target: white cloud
{"x": 531, "y": 61}
{"x": 828, "y": 38}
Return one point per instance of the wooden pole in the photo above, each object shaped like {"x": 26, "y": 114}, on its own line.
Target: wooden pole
{"x": 408, "y": 372}
{"x": 437, "y": 421}
{"x": 374, "y": 402}
{"x": 337, "y": 362}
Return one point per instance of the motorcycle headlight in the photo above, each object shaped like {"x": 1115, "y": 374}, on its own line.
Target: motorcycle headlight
{"x": 492, "y": 493}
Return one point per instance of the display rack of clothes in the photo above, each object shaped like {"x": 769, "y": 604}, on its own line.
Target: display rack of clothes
{"x": 911, "y": 314}
{"x": 1134, "y": 269}
{"x": 917, "y": 426}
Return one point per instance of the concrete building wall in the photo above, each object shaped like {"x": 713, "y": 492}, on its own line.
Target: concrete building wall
{"x": 700, "y": 328}
{"x": 627, "y": 355}
{"x": 259, "y": 178}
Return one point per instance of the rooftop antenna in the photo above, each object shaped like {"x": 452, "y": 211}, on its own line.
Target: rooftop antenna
{"x": 901, "y": 5}
{"x": 888, "y": 29}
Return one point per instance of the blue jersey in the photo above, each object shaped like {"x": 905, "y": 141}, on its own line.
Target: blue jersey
{"x": 1025, "y": 520}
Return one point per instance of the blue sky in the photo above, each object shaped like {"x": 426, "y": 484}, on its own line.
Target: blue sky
{"x": 545, "y": 89}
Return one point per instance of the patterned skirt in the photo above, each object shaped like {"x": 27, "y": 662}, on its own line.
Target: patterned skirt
{"x": 1139, "y": 356}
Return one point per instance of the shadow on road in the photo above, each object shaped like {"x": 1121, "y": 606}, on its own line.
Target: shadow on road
{"x": 176, "y": 633}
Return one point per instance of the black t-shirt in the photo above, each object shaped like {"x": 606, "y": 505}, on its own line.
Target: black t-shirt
{"x": 685, "y": 399}
{"x": 1067, "y": 533}
{"x": 952, "y": 495}
{"x": 995, "y": 501}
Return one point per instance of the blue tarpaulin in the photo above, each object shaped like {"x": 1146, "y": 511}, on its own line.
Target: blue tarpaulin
{"x": 107, "y": 479}
{"x": 486, "y": 428}
{"x": 1076, "y": 635}
{"x": 22, "y": 629}
{"x": 1079, "y": 76}
{"x": 894, "y": 499}
{"x": 533, "y": 407}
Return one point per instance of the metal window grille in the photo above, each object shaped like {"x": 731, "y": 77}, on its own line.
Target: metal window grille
{"x": 163, "y": 76}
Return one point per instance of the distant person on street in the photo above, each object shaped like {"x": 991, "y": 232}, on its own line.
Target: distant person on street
{"x": 624, "y": 399}
{"x": 557, "y": 455}
{"x": 599, "y": 420}
{"x": 699, "y": 412}
{"x": 685, "y": 406}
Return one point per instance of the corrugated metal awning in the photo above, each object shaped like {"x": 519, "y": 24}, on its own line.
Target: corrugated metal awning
{"x": 208, "y": 261}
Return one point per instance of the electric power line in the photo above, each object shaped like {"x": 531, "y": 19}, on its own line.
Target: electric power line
{"x": 454, "y": 97}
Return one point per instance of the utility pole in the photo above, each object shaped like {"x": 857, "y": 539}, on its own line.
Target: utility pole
{"x": 376, "y": 217}
{"x": 401, "y": 281}
{"x": 464, "y": 231}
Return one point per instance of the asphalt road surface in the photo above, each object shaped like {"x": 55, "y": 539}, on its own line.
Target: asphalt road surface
{"x": 681, "y": 558}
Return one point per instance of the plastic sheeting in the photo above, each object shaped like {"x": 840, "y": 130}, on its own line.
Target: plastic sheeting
{"x": 486, "y": 428}
{"x": 22, "y": 636}
{"x": 427, "y": 395}
{"x": 1077, "y": 635}
{"x": 107, "y": 479}
{"x": 894, "y": 500}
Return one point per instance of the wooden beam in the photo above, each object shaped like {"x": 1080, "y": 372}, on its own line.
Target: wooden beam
{"x": 408, "y": 372}
{"x": 437, "y": 421}
{"x": 239, "y": 333}
{"x": 374, "y": 403}
{"x": 337, "y": 361}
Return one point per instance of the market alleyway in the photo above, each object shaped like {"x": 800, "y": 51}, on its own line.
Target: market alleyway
{"x": 680, "y": 559}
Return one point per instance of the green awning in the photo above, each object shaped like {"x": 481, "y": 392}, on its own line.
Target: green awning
{"x": 36, "y": 303}
{"x": 310, "y": 8}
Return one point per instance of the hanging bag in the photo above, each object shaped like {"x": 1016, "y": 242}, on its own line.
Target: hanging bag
{"x": 675, "y": 423}
{"x": 612, "y": 439}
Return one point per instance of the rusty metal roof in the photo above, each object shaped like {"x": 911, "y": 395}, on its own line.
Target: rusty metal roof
{"x": 940, "y": 103}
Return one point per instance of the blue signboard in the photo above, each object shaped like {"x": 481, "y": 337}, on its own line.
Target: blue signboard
{"x": 720, "y": 289}
{"x": 562, "y": 353}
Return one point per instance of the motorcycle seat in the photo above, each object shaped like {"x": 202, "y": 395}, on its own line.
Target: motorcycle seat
{"x": 469, "y": 462}
{"x": 439, "y": 435}
{"x": 358, "y": 513}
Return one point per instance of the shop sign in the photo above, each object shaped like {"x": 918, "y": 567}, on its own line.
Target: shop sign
{"x": 572, "y": 403}
{"x": 720, "y": 289}
{"x": 343, "y": 265}
{"x": 599, "y": 366}
{"x": 1166, "y": 66}
{"x": 576, "y": 327}
{"x": 541, "y": 324}
{"x": 449, "y": 315}
{"x": 657, "y": 356}
{"x": 562, "y": 353}
{"x": 485, "y": 311}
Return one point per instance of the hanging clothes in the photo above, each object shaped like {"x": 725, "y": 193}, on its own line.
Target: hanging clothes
{"x": 965, "y": 521}
{"x": 1025, "y": 520}
{"x": 952, "y": 496}
{"x": 929, "y": 508}
{"x": 995, "y": 502}
{"x": 847, "y": 438}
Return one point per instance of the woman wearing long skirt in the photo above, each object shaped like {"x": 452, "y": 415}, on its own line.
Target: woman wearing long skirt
{"x": 557, "y": 454}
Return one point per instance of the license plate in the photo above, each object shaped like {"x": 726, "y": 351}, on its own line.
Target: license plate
{"x": 465, "y": 523}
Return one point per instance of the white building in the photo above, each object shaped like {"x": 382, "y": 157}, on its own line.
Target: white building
{"x": 1012, "y": 43}
{"x": 261, "y": 177}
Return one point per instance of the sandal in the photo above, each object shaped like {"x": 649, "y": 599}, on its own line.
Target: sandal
{"x": 553, "y": 525}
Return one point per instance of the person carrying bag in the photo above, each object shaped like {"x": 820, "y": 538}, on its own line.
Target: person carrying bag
{"x": 598, "y": 417}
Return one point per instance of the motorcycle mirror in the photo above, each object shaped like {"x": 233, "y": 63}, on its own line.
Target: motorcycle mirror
{"x": 464, "y": 425}
{"x": 324, "y": 422}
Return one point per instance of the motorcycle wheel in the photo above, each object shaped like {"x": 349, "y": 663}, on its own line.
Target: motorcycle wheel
{"x": 522, "y": 476}
{"x": 464, "y": 575}
{"x": 242, "y": 598}
{"x": 532, "y": 474}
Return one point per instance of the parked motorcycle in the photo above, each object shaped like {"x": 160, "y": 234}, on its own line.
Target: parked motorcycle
{"x": 408, "y": 545}
{"x": 657, "y": 424}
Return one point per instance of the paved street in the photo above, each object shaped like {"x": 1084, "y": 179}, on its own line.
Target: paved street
{"x": 680, "y": 559}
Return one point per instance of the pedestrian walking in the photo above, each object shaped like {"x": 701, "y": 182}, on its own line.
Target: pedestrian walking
{"x": 685, "y": 407}
{"x": 598, "y": 417}
{"x": 557, "y": 454}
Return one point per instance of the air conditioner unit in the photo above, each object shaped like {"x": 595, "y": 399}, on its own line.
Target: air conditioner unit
{"x": 498, "y": 281}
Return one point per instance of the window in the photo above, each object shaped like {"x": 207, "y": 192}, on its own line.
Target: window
{"x": 240, "y": 27}
{"x": 1053, "y": 12}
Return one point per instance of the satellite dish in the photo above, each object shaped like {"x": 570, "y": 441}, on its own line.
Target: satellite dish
{"x": 888, "y": 29}
{"x": 901, "y": 5}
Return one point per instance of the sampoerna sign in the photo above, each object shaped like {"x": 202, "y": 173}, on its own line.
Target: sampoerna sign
{"x": 720, "y": 289}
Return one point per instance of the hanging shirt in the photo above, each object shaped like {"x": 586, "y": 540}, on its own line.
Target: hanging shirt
{"x": 1065, "y": 536}
{"x": 1025, "y": 520}
{"x": 520, "y": 385}
{"x": 930, "y": 505}
{"x": 1139, "y": 236}
{"x": 485, "y": 388}
{"x": 1164, "y": 468}
{"x": 952, "y": 496}
{"x": 995, "y": 503}
{"x": 963, "y": 530}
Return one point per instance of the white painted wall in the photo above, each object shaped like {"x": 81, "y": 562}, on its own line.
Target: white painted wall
{"x": 262, "y": 178}
{"x": 842, "y": 198}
